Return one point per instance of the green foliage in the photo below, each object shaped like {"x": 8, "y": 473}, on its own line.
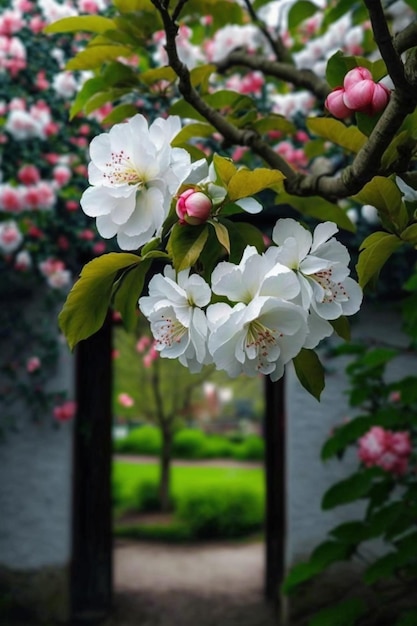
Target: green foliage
{"x": 143, "y": 440}
{"x": 221, "y": 511}
{"x": 189, "y": 444}
{"x": 148, "y": 496}
{"x": 252, "y": 448}
{"x": 309, "y": 372}
{"x": 87, "y": 304}
{"x": 228, "y": 502}
{"x": 344, "y": 613}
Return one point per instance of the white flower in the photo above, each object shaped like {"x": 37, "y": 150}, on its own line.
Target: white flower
{"x": 178, "y": 323}
{"x": 263, "y": 331}
{"x": 321, "y": 265}
{"x": 65, "y": 84}
{"x": 134, "y": 174}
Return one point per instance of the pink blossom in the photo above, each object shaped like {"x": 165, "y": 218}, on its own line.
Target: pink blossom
{"x": 125, "y": 400}
{"x": 11, "y": 199}
{"x": 336, "y": 105}
{"x": 394, "y": 396}
{"x": 193, "y": 207}
{"x": 29, "y": 174}
{"x": 32, "y": 364}
{"x": 143, "y": 343}
{"x": 149, "y": 358}
{"x": 10, "y": 236}
{"x": 37, "y": 24}
{"x": 88, "y": 6}
{"x": 87, "y": 234}
{"x": 72, "y": 205}
{"x": 355, "y": 76}
{"x": 10, "y": 22}
{"x": 386, "y": 449}
{"x": 366, "y": 96}
{"x": 99, "y": 247}
{"x": 63, "y": 243}
{"x": 23, "y": 261}
{"x": 65, "y": 412}
{"x": 115, "y": 354}
{"x": 62, "y": 175}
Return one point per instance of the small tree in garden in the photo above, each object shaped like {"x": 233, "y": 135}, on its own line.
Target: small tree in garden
{"x": 166, "y": 393}
{"x": 311, "y": 107}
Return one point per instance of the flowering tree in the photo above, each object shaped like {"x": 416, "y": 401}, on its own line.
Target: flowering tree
{"x": 222, "y": 297}
{"x": 44, "y": 235}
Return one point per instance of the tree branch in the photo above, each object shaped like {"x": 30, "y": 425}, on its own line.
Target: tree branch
{"x": 384, "y": 41}
{"x": 305, "y": 79}
{"x": 277, "y": 45}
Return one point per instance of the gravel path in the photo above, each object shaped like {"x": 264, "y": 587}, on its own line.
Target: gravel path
{"x": 189, "y": 585}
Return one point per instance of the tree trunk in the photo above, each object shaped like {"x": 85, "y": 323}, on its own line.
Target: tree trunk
{"x": 165, "y": 469}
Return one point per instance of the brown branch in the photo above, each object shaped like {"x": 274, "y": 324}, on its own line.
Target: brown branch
{"x": 406, "y": 39}
{"x": 277, "y": 45}
{"x": 305, "y": 79}
{"x": 384, "y": 41}
{"x": 351, "y": 180}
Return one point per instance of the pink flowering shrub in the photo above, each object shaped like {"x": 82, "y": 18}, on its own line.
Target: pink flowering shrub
{"x": 44, "y": 236}
{"x": 385, "y": 448}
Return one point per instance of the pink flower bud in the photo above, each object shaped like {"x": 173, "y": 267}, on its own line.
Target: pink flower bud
{"x": 193, "y": 207}
{"x": 32, "y": 364}
{"x": 355, "y": 76}
{"x": 366, "y": 97}
{"x": 336, "y": 105}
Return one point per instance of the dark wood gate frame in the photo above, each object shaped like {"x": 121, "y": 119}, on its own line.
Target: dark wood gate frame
{"x": 92, "y": 544}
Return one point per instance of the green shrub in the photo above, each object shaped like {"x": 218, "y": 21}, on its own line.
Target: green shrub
{"x": 189, "y": 443}
{"x": 142, "y": 440}
{"x": 221, "y": 511}
{"x": 218, "y": 447}
{"x": 251, "y": 449}
{"x": 147, "y": 496}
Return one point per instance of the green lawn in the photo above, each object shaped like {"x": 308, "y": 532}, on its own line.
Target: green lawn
{"x": 130, "y": 475}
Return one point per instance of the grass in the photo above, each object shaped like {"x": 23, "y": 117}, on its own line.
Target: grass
{"x": 129, "y": 475}
{"x": 209, "y": 502}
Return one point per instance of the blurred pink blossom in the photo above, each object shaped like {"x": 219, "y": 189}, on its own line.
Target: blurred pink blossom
{"x": 32, "y": 364}
{"x": 125, "y": 400}
{"x": 65, "y": 412}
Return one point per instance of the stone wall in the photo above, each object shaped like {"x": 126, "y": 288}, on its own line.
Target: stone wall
{"x": 35, "y": 505}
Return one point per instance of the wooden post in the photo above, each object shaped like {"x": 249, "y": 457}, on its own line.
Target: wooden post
{"x": 91, "y": 567}
{"x": 275, "y": 474}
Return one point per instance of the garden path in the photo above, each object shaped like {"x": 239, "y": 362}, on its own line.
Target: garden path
{"x": 207, "y": 584}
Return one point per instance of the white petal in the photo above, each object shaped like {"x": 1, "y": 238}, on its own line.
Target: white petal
{"x": 322, "y": 233}
{"x": 287, "y": 227}
{"x": 250, "y": 205}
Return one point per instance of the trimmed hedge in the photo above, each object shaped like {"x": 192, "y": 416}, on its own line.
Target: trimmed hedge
{"x": 221, "y": 511}
{"x": 191, "y": 443}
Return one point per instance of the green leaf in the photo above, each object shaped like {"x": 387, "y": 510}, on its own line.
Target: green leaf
{"x": 329, "y": 552}
{"x": 310, "y": 372}
{"x": 374, "y": 252}
{"x": 299, "y": 574}
{"x": 348, "y": 490}
{"x": 190, "y": 131}
{"x": 221, "y": 234}
{"x": 200, "y": 76}
{"x": 344, "y": 613}
{"x": 385, "y": 196}
{"x": 319, "y": 208}
{"x": 95, "y": 55}
{"x": 348, "y": 137}
{"x": 351, "y": 532}
{"x": 409, "y": 618}
{"x": 186, "y": 244}
{"x": 299, "y": 12}
{"x": 128, "y": 291}
{"x": 246, "y": 183}
{"x": 225, "y": 168}
{"x": 384, "y": 567}
{"x": 341, "y": 327}
{"x": 337, "y": 67}
{"x": 90, "y": 88}
{"x": 120, "y": 113}
{"x": 90, "y": 23}
{"x": 410, "y": 234}
{"x": 273, "y": 121}
{"x": 155, "y": 75}
{"x": 241, "y": 235}
{"x": 87, "y": 303}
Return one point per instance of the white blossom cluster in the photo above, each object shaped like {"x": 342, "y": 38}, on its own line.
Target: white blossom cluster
{"x": 277, "y": 303}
